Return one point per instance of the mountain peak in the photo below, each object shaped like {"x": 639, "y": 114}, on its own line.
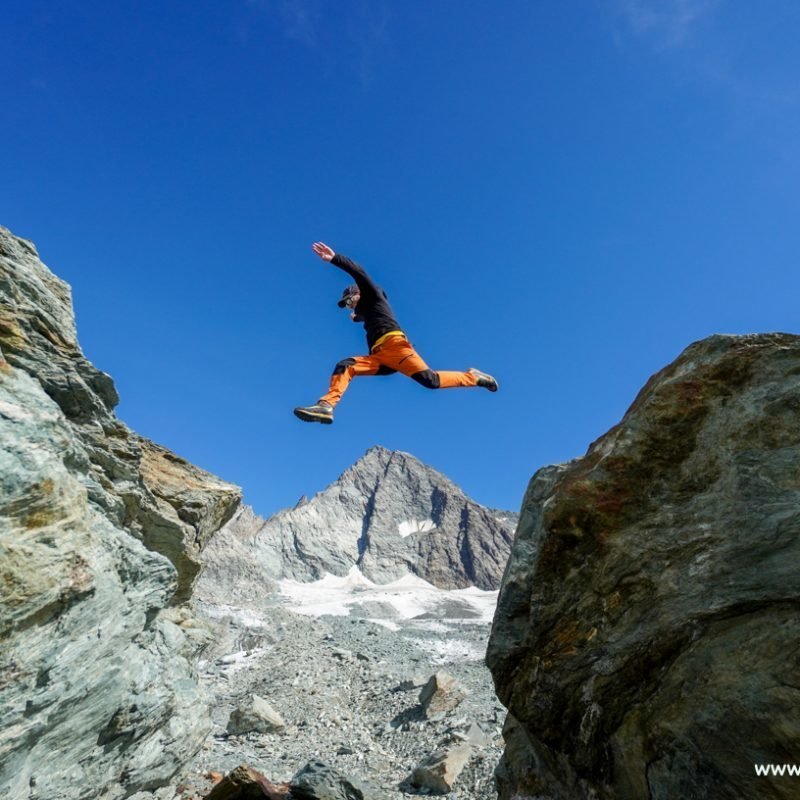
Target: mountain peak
{"x": 383, "y": 455}
{"x": 390, "y": 515}
{"x": 379, "y": 465}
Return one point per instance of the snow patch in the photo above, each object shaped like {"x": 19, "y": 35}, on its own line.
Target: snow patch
{"x": 409, "y": 526}
{"x": 245, "y": 617}
{"x": 451, "y": 651}
{"x": 386, "y": 623}
{"x": 406, "y": 598}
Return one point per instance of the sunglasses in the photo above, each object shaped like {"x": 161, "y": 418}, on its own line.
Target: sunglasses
{"x": 350, "y": 302}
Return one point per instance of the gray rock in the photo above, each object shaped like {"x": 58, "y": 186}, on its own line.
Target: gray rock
{"x": 233, "y": 575}
{"x": 441, "y": 694}
{"x": 100, "y": 533}
{"x": 439, "y": 771}
{"x": 255, "y": 716}
{"x": 318, "y": 781}
{"x": 643, "y": 637}
{"x": 473, "y": 735}
{"x": 342, "y": 655}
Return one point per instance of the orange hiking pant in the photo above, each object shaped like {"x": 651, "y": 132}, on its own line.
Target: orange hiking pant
{"x": 392, "y": 354}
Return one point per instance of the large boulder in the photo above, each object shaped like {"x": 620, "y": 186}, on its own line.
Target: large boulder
{"x": 100, "y": 537}
{"x": 645, "y": 640}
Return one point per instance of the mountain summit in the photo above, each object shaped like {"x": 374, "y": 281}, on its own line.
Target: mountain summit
{"x": 388, "y": 514}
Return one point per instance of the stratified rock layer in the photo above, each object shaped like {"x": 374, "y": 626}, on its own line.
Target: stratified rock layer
{"x": 646, "y": 636}
{"x": 170, "y": 504}
{"x": 100, "y": 534}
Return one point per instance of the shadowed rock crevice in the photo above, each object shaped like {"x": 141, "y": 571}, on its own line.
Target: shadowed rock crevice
{"x": 363, "y": 540}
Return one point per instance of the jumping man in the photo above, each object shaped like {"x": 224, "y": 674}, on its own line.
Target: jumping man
{"x": 389, "y": 349}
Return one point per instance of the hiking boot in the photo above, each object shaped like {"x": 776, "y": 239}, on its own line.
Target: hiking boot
{"x": 484, "y": 380}
{"x": 321, "y": 412}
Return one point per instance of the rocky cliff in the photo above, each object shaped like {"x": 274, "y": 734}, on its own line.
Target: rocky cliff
{"x": 101, "y": 532}
{"x": 389, "y": 514}
{"x": 645, "y": 640}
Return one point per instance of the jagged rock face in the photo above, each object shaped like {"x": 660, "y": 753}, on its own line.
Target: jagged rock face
{"x": 645, "y": 640}
{"x": 170, "y": 504}
{"x": 389, "y": 514}
{"x": 100, "y": 534}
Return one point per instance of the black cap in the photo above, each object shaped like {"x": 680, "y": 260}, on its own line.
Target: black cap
{"x": 348, "y": 292}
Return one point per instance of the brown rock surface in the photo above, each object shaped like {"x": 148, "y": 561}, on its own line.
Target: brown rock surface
{"x": 645, "y": 640}
{"x": 439, "y": 772}
{"x": 245, "y": 783}
{"x": 441, "y": 694}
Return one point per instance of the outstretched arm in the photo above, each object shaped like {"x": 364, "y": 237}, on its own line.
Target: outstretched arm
{"x": 356, "y": 271}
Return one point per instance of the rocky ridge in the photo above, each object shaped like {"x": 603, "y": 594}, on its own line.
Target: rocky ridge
{"x": 389, "y": 514}
{"x": 645, "y": 639}
{"x": 101, "y": 532}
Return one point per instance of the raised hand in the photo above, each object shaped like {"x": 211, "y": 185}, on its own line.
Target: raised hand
{"x": 323, "y": 251}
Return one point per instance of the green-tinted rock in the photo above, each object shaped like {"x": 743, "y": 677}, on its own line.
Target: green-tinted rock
{"x": 100, "y": 533}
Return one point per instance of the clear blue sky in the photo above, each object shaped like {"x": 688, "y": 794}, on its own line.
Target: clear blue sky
{"x": 562, "y": 194}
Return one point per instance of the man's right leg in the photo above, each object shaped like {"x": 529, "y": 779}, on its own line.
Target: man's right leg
{"x": 343, "y": 373}
{"x": 346, "y": 370}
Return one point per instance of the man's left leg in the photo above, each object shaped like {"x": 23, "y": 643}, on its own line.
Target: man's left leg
{"x": 344, "y": 371}
{"x": 400, "y": 355}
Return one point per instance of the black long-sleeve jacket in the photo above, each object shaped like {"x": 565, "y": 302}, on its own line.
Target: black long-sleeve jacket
{"x": 373, "y": 307}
